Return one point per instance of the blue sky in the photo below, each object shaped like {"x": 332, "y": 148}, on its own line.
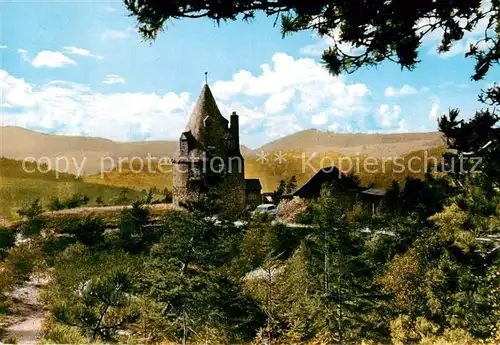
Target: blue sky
{"x": 80, "y": 68}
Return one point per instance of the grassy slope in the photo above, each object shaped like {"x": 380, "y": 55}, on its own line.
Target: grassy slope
{"x": 129, "y": 179}
{"x": 19, "y": 188}
{"x": 18, "y": 192}
{"x": 270, "y": 173}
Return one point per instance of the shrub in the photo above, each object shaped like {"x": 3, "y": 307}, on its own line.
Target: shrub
{"x": 55, "y": 333}
{"x": 99, "y": 201}
{"x": 77, "y": 200}
{"x": 7, "y": 240}
{"x": 31, "y": 211}
{"x": 7, "y": 280}
{"x": 12, "y": 340}
{"x": 56, "y": 204}
{"x": 24, "y": 259}
{"x": 88, "y": 230}
{"x": 33, "y": 223}
{"x": 402, "y": 330}
{"x": 131, "y": 226}
{"x": 93, "y": 291}
{"x": 122, "y": 198}
{"x": 293, "y": 210}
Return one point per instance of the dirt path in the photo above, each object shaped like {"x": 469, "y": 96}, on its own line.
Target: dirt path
{"x": 25, "y": 324}
{"x": 26, "y": 331}
{"x": 109, "y": 209}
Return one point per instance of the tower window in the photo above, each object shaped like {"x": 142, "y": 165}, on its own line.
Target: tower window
{"x": 194, "y": 172}
{"x": 184, "y": 147}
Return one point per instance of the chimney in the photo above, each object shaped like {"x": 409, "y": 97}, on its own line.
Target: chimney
{"x": 235, "y": 131}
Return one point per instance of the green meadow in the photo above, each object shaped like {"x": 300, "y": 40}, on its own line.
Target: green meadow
{"x": 19, "y": 188}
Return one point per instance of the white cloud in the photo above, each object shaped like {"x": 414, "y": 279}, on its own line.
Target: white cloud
{"x": 334, "y": 127}
{"x": 80, "y": 51}
{"x": 302, "y": 79}
{"x": 433, "y": 114}
{"x": 113, "y": 79}
{"x": 405, "y": 90}
{"x": 73, "y": 109}
{"x": 109, "y": 9}
{"x": 402, "y": 126}
{"x": 299, "y": 91}
{"x": 15, "y": 91}
{"x": 281, "y": 125}
{"x": 348, "y": 129}
{"x": 51, "y": 59}
{"x": 24, "y": 54}
{"x": 70, "y": 108}
{"x": 337, "y": 127}
{"x": 112, "y": 34}
{"x": 250, "y": 117}
{"x": 279, "y": 102}
{"x": 357, "y": 90}
{"x": 287, "y": 95}
{"x": 387, "y": 115}
{"x": 319, "y": 119}
{"x": 275, "y": 79}
{"x": 3, "y": 47}
{"x": 317, "y": 49}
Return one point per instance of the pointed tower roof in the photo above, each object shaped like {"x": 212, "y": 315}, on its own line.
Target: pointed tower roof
{"x": 205, "y": 109}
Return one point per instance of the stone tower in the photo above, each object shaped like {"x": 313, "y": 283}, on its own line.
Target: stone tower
{"x": 208, "y": 161}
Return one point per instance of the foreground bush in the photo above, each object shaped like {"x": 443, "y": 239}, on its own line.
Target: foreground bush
{"x": 292, "y": 211}
{"x": 55, "y": 333}
{"x": 93, "y": 291}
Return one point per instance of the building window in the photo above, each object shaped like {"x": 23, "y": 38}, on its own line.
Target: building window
{"x": 184, "y": 147}
{"x": 252, "y": 196}
{"x": 194, "y": 172}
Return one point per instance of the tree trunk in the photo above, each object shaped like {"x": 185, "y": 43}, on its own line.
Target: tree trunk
{"x": 269, "y": 304}
{"x": 341, "y": 325}
{"x": 98, "y": 325}
{"x": 327, "y": 270}
{"x": 184, "y": 330}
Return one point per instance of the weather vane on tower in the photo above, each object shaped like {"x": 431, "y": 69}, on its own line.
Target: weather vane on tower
{"x": 206, "y": 78}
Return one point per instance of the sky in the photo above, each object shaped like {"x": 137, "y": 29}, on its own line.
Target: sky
{"x": 81, "y": 68}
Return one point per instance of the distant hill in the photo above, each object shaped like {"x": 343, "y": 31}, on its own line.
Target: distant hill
{"x": 376, "y": 145}
{"x": 19, "y": 143}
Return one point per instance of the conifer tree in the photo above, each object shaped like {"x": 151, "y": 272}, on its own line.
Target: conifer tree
{"x": 291, "y": 185}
